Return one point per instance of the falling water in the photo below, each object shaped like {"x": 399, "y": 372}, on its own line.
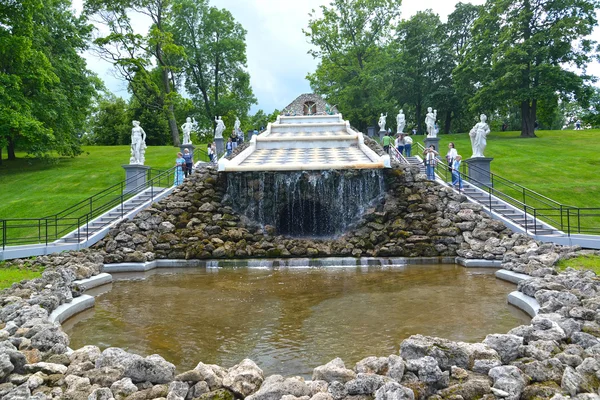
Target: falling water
{"x": 315, "y": 203}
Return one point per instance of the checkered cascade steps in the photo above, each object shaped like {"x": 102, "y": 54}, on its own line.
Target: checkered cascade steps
{"x": 309, "y": 134}
{"x": 321, "y": 155}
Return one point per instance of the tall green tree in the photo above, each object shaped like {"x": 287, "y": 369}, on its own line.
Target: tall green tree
{"x": 45, "y": 89}
{"x": 134, "y": 55}
{"x": 214, "y": 59}
{"x": 349, "y": 40}
{"x": 416, "y": 63}
{"x": 111, "y": 123}
{"x": 523, "y": 51}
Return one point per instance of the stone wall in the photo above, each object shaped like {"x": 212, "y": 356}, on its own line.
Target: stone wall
{"x": 416, "y": 218}
{"x": 557, "y": 356}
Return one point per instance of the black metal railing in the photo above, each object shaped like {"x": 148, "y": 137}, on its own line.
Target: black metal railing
{"x": 536, "y": 208}
{"x": 76, "y": 221}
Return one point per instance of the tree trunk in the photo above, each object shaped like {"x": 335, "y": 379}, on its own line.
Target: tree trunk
{"x": 10, "y": 149}
{"x": 170, "y": 113}
{"x": 418, "y": 117}
{"x": 528, "y": 114}
{"x": 448, "y": 122}
{"x": 0, "y": 155}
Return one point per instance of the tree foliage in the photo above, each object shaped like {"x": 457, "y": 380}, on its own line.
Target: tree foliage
{"x": 45, "y": 88}
{"x": 524, "y": 52}
{"x": 350, "y": 40}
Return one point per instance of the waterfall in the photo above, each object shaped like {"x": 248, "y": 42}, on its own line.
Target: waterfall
{"x": 305, "y": 203}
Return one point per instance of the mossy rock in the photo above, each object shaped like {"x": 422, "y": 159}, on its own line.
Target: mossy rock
{"x": 274, "y": 253}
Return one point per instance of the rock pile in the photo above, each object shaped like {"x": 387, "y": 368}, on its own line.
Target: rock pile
{"x": 556, "y": 356}
{"x": 417, "y": 218}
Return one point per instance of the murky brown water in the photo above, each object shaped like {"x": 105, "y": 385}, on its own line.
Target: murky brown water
{"x": 291, "y": 320}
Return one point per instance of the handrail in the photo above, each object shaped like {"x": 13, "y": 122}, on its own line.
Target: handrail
{"x": 566, "y": 218}
{"x": 18, "y": 231}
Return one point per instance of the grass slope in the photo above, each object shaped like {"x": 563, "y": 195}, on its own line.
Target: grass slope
{"x": 561, "y": 165}
{"x": 10, "y": 275}
{"x": 36, "y": 188}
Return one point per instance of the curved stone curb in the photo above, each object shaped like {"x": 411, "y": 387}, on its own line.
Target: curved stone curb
{"x": 94, "y": 281}
{"x": 511, "y": 276}
{"x": 524, "y": 302}
{"x": 469, "y": 263}
{"x": 67, "y": 310}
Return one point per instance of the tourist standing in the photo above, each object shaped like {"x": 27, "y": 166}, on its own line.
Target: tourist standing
{"x": 430, "y": 162}
{"x": 451, "y": 155}
{"x": 407, "y": 145}
{"x": 189, "y": 162}
{"x": 400, "y": 143}
{"x": 385, "y": 141}
{"x": 179, "y": 167}
{"x": 578, "y": 125}
{"x": 209, "y": 152}
{"x": 456, "y": 179}
{"x": 229, "y": 147}
{"x": 213, "y": 147}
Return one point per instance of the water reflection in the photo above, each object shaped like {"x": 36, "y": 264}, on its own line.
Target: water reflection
{"x": 291, "y": 320}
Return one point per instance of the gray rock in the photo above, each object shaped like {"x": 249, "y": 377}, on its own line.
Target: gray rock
{"x": 366, "y": 384}
{"x": 395, "y": 367}
{"x": 394, "y": 391}
{"x": 19, "y": 393}
{"x": 276, "y": 386}
{"x": 540, "y": 349}
{"x": 322, "y": 396}
{"x": 153, "y": 368}
{"x": 509, "y": 379}
{"x": 47, "y": 368}
{"x": 507, "y": 346}
{"x": 429, "y": 373}
{"x": 49, "y": 337}
{"x": 244, "y": 378}
{"x": 583, "y": 339}
{"x": 317, "y": 387}
{"x": 178, "y": 389}
{"x": 334, "y": 370}
{"x": 447, "y": 353}
{"x": 337, "y": 390}
{"x": 212, "y": 374}
{"x": 571, "y": 380}
{"x": 372, "y": 365}
{"x": 104, "y": 376}
{"x": 101, "y": 394}
{"x": 546, "y": 329}
{"x": 198, "y": 390}
{"x": 6, "y": 366}
{"x": 469, "y": 390}
{"x": 544, "y": 371}
{"x": 86, "y": 353}
{"x": 484, "y": 366}
{"x": 123, "y": 388}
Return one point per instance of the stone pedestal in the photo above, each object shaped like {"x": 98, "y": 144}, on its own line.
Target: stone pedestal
{"x": 135, "y": 176}
{"x": 381, "y": 135}
{"x": 220, "y": 146}
{"x": 479, "y": 171}
{"x": 435, "y": 141}
{"x": 371, "y": 131}
{"x": 190, "y": 147}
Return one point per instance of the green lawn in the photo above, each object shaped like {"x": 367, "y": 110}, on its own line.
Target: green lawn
{"x": 10, "y": 275}
{"x": 35, "y": 188}
{"x": 562, "y": 165}
{"x": 590, "y": 262}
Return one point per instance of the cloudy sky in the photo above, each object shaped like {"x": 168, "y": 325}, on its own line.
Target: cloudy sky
{"x": 276, "y": 47}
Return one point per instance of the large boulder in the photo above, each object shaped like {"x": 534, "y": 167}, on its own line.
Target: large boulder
{"x": 509, "y": 381}
{"x": 153, "y": 368}
{"x": 244, "y": 379}
{"x": 394, "y": 391}
{"x": 276, "y": 386}
{"x": 334, "y": 370}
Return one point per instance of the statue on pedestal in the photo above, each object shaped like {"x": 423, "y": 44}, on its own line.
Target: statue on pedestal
{"x": 236, "y": 125}
{"x": 430, "y": 122}
{"x": 478, "y": 136}
{"x": 381, "y": 122}
{"x": 400, "y": 122}
{"x": 187, "y": 129}
{"x": 220, "y": 128}
{"x": 138, "y": 144}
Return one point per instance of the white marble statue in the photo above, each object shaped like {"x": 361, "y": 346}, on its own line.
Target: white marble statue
{"x": 187, "y": 129}
{"x": 236, "y": 125}
{"x": 220, "y": 128}
{"x": 478, "y": 136}
{"x": 400, "y": 122}
{"x": 430, "y": 122}
{"x": 382, "y": 122}
{"x": 138, "y": 144}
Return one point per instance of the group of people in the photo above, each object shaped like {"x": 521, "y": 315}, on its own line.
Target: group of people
{"x": 453, "y": 160}
{"x": 184, "y": 164}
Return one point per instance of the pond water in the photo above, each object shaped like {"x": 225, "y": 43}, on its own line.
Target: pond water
{"x": 291, "y": 320}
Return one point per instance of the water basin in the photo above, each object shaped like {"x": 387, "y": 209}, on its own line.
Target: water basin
{"x": 290, "y": 320}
